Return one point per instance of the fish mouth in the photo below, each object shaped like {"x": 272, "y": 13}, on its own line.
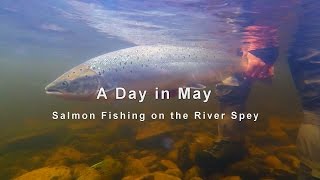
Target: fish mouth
{"x": 52, "y": 91}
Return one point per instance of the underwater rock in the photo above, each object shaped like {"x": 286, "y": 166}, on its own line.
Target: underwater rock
{"x": 256, "y": 151}
{"x": 168, "y": 164}
{"x": 184, "y": 161}
{"x": 269, "y": 138}
{"x": 134, "y": 167}
{"x": 65, "y": 156}
{"x": 293, "y": 161}
{"x": 95, "y": 145}
{"x": 289, "y": 149}
{"x": 273, "y": 162}
{"x": 163, "y": 176}
{"x": 109, "y": 168}
{"x": 37, "y": 160}
{"x": 149, "y": 160}
{"x": 134, "y": 153}
{"x": 194, "y": 149}
{"x": 149, "y": 176}
{"x": 251, "y": 168}
{"x": 200, "y": 142}
{"x": 196, "y": 178}
{"x": 173, "y": 155}
{"x": 17, "y": 171}
{"x": 123, "y": 146}
{"x": 129, "y": 178}
{"x": 48, "y": 173}
{"x": 156, "y": 167}
{"x": 256, "y": 168}
{"x": 279, "y": 135}
{"x": 174, "y": 172}
{"x": 203, "y": 140}
{"x": 84, "y": 172}
{"x": 152, "y": 176}
{"x": 284, "y": 123}
{"x": 144, "y": 153}
{"x": 152, "y": 132}
{"x": 278, "y": 129}
{"x": 231, "y": 178}
{"x": 34, "y": 140}
{"x": 192, "y": 172}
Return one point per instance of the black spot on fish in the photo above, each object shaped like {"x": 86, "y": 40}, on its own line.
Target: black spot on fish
{"x": 131, "y": 62}
{"x": 73, "y": 72}
{"x": 99, "y": 73}
{"x": 80, "y": 69}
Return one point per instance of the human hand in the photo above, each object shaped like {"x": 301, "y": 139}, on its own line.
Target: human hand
{"x": 257, "y": 68}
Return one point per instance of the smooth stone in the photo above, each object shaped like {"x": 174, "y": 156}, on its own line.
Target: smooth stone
{"x": 84, "y": 172}
{"x": 135, "y": 167}
{"x": 168, "y": 164}
{"x": 192, "y": 172}
{"x": 174, "y": 172}
{"x": 58, "y": 172}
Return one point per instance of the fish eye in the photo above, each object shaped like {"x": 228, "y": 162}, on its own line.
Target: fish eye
{"x": 65, "y": 83}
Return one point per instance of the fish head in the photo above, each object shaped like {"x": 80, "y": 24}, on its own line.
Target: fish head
{"x": 80, "y": 82}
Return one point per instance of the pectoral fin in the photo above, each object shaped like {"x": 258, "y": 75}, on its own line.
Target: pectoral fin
{"x": 231, "y": 81}
{"x": 196, "y": 86}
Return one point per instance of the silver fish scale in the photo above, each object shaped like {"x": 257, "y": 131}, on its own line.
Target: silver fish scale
{"x": 153, "y": 65}
{"x": 155, "y": 55}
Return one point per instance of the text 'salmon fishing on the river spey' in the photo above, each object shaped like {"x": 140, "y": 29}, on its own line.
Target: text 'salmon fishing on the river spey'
{"x": 197, "y": 115}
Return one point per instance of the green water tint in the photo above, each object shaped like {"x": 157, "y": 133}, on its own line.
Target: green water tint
{"x": 30, "y": 139}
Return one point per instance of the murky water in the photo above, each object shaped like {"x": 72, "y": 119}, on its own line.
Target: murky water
{"x": 40, "y": 40}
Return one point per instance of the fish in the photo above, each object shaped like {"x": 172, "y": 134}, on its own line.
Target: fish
{"x": 146, "y": 67}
